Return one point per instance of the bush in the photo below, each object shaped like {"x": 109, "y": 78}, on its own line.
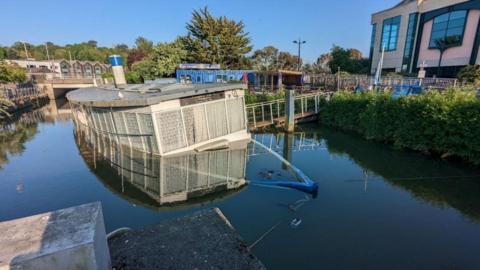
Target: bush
{"x": 470, "y": 74}
{"x": 444, "y": 123}
{"x": 251, "y": 98}
{"x": 12, "y": 73}
{"x": 133, "y": 77}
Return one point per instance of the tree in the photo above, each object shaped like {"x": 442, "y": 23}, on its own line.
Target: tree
{"x": 287, "y": 61}
{"x": 322, "y": 63}
{"x": 143, "y": 48}
{"x": 3, "y": 53}
{"x": 92, "y": 43}
{"x": 349, "y": 60}
{"x": 265, "y": 59}
{"x": 146, "y": 69}
{"x": 134, "y": 56}
{"x": 12, "y": 73}
{"x": 470, "y": 74}
{"x": 144, "y": 45}
{"x": 216, "y": 40}
{"x": 162, "y": 62}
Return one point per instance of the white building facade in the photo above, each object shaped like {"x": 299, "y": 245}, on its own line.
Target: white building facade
{"x": 66, "y": 69}
{"x": 442, "y": 35}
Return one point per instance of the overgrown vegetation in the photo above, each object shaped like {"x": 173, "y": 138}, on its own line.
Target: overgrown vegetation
{"x": 12, "y": 73}
{"x": 9, "y": 73}
{"x": 470, "y": 75}
{"x": 446, "y": 124}
{"x": 251, "y": 98}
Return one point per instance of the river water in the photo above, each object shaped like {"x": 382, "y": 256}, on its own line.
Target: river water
{"x": 376, "y": 207}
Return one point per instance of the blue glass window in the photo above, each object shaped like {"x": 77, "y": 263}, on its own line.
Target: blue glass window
{"x": 449, "y": 28}
{"x": 391, "y": 28}
{"x": 409, "y": 41}
{"x": 372, "y": 40}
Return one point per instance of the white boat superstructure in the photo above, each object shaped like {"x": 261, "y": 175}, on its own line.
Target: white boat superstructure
{"x": 164, "y": 119}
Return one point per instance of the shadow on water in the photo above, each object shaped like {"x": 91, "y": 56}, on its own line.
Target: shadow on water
{"x": 436, "y": 181}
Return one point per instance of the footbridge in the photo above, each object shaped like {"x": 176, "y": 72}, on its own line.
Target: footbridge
{"x": 57, "y": 87}
{"x": 264, "y": 114}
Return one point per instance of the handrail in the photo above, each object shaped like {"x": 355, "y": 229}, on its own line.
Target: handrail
{"x": 275, "y": 101}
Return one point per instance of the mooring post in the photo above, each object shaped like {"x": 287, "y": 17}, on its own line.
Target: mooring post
{"x": 290, "y": 110}
{"x": 288, "y": 142}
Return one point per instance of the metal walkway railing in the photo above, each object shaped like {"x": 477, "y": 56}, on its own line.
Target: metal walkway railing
{"x": 272, "y": 112}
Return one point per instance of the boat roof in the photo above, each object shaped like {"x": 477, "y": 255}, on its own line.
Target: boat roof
{"x": 140, "y": 95}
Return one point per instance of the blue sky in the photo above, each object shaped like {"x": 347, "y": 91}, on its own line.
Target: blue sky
{"x": 320, "y": 22}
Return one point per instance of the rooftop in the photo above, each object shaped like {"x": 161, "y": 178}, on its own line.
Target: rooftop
{"x": 145, "y": 94}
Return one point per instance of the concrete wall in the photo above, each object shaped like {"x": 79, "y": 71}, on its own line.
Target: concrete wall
{"x": 72, "y": 238}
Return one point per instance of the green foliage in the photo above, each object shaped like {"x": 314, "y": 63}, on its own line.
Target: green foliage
{"x": 144, "y": 45}
{"x": 343, "y": 73}
{"x": 133, "y": 77}
{"x": 270, "y": 58}
{"x": 162, "y": 62}
{"x": 251, "y": 98}
{"x": 216, "y": 40}
{"x": 265, "y": 59}
{"x": 4, "y": 105}
{"x": 80, "y": 51}
{"x": 443, "y": 123}
{"x": 349, "y": 60}
{"x": 107, "y": 75}
{"x": 12, "y": 73}
{"x": 3, "y": 53}
{"x": 470, "y": 74}
{"x": 146, "y": 69}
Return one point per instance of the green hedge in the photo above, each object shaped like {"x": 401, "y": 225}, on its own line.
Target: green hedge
{"x": 443, "y": 123}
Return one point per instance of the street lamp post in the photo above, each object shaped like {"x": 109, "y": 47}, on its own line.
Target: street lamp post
{"x": 299, "y": 42}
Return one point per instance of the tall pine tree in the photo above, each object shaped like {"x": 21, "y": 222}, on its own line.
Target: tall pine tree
{"x": 216, "y": 40}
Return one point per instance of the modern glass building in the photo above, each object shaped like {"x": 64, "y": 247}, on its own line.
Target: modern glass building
{"x": 441, "y": 35}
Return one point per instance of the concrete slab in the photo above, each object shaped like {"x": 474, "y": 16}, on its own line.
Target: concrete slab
{"x": 72, "y": 238}
{"x": 204, "y": 240}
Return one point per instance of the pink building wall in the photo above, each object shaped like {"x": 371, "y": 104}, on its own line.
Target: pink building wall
{"x": 456, "y": 56}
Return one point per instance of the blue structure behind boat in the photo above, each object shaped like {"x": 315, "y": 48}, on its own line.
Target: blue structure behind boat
{"x": 406, "y": 90}
{"x": 198, "y": 76}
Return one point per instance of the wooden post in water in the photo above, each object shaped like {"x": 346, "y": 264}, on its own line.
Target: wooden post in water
{"x": 288, "y": 140}
{"x": 290, "y": 110}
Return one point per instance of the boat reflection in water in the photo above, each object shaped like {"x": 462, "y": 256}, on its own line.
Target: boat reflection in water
{"x": 153, "y": 181}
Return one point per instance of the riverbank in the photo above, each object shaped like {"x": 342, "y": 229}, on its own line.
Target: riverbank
{"x": 17, "y": 106}
{"x": 445, "y": 124}
{"x": 203, "y": 240}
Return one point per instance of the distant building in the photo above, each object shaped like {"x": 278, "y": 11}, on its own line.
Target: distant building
{"x": 65, "y": 68}
{"x": 274, "y": 80}
{"x": 412, "y": 30}
{"x": 208, "y": 73}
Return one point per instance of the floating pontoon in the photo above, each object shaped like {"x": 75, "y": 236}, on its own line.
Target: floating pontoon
{"x": 164, "y": 119}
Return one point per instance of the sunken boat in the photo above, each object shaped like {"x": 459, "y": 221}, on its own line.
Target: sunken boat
{"x": 164, "y": 118}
